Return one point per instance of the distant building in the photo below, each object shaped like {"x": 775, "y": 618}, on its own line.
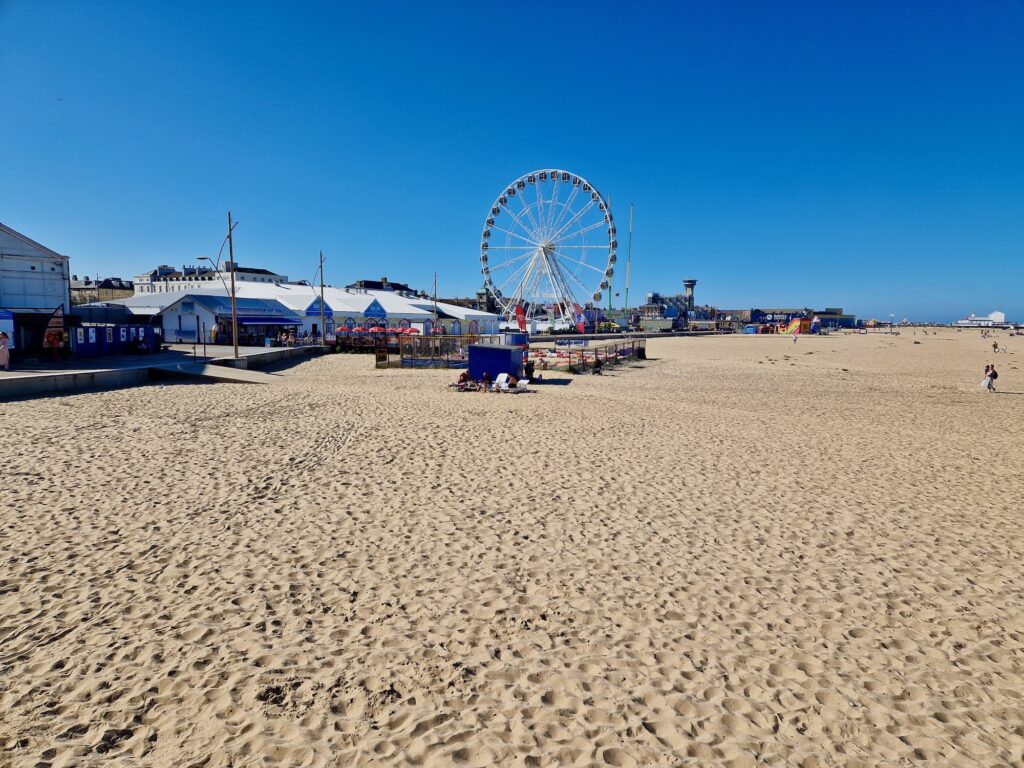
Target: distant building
{"x": 991, "y": 320}
{"x": 482, "y": 301}
{"x": 681, "y": 302}
{"x": 33, "y": 283}
{"x": 834, "y": 317}
{"x": 166, "y": 278}
{"x": 87, "y": 290}
{"x": 384, "y": 285}
{"x": 830, "y": 317}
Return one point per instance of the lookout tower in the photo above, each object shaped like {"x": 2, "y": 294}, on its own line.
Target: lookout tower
{"x": 688, "y": 286}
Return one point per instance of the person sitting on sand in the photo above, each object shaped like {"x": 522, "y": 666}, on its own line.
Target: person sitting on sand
{"x": 486, "y": 379}
{"x": 464, "y": 384}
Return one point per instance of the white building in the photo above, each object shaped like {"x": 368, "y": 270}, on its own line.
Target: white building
{"x": 165, "y": 278}
{"x": 991, "y": 320}
{"x": 262, "y": 307}
{"x": 34, "y": 281}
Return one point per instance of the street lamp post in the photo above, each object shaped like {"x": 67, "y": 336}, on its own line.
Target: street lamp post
{"x": 234, "y": 305}
{"x": 216, "y": 266}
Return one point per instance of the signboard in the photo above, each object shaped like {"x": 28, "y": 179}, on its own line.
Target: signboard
{"x": 124, "y": 334}
{"x": 110, "y": 335}
{"x": 313, "y": 310}
{"x": 80, "y": 335}
{"x": 92, "y": 335}
{"x": 53, "y": 336}
{"x": 375, "y": 310}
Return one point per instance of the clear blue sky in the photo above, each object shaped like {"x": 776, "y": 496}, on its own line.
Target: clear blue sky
{"x": 866, "y": 154}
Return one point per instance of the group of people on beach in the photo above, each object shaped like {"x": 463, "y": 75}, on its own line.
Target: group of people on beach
{"x": 466, "y": 384}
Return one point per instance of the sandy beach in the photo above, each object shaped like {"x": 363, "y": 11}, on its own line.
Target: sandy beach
{"x": 741, "y": 552}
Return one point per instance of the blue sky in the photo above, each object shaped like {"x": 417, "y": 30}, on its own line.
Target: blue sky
{"x": 866, "y": 155}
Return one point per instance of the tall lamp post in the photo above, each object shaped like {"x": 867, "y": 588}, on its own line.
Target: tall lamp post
{"x": 216, "y": 266}
{"x": 234, "y": 306}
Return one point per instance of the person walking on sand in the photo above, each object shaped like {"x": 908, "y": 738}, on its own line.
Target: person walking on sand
{"x": 993, "y": 374}
{"x": 5, "y": 351}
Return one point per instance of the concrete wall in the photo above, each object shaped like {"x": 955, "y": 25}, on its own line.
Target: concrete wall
{"x": 52, "y": 383}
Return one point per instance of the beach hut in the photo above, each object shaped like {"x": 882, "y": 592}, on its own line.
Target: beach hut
{"x": 495, "y": 359}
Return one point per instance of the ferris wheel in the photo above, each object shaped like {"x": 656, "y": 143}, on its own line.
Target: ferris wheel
{"x": 548, "y": 246}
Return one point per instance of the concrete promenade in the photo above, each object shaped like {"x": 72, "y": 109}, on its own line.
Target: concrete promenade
{"x": 37, "y": 379}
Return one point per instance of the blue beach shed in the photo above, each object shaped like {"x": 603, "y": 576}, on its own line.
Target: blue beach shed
{"x": 494, "y": 359}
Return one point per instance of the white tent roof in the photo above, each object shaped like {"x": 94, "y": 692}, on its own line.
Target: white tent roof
{"x": 298, "y": 298}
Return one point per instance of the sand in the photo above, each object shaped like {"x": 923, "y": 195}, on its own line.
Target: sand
{"x": 743, "y": 552}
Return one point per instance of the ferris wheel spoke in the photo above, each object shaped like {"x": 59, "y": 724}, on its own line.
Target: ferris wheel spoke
{"x": 586, "y": 291}
{"x": 566, "y": 207}
{"x": 535, "y": 232}
{"x": 518, "y": 219}
{"x": 516, "y": 273}
{"x": 511, "y": 260}
{"x": 522, "y": 269}
{"x": 532, "y": 243}
{"x": 552, "y": 207}
{"x": 575, "y": 217}
{"x": 538, "y": 227}
{"x": 581, "y": 263}
{"x": 568, "y": 297}
{"x": 522, "y": 247}
{"x": 582, "y": 231}
{"x": 531, "y": 285}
